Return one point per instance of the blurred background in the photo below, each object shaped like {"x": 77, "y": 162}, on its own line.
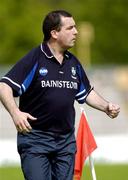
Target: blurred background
{"x": 102, "y": 47}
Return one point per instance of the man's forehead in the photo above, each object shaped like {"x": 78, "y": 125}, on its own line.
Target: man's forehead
{"x": 67, "y": 21}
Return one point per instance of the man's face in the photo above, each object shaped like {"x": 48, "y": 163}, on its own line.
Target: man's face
{"x": 67, "y": 35}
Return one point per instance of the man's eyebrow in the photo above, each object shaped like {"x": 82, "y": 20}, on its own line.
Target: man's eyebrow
{"x": 71, "y": 26}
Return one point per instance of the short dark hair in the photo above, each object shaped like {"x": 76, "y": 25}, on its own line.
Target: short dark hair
{"x": 52, "y": 21}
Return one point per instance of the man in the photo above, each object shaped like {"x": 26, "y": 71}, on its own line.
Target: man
{"x": 48, "y": 80}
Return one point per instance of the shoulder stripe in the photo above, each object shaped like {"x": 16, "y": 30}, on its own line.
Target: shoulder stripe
{"x": 29, "y": 78}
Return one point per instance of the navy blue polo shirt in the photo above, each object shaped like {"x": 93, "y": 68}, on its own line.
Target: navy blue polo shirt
{"x": 48, "y": 89}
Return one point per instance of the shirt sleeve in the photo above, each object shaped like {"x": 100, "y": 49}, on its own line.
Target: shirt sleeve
{"x": 21, "y": 74}
{"x": 84, "y": 85}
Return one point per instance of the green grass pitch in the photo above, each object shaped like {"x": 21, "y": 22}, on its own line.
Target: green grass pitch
{"x": 103, "y": 172}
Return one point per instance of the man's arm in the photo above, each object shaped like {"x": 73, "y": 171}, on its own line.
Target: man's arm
{"x": 96, "y": 101}
{"x": 20, "y": 118}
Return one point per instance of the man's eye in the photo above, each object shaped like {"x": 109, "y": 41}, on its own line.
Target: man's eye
{"x": 71, "y": 27}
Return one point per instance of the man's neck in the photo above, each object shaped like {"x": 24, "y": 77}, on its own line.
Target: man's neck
{"x": 56, "y": 51}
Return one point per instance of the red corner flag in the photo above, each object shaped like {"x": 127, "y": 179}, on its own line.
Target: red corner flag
{"x": 85, "y": 145}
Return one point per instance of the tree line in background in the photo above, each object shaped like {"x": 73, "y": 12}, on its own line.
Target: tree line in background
{"x": 21, "y": 21}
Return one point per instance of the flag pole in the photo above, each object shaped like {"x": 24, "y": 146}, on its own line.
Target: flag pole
{"x": 92, "y": 168}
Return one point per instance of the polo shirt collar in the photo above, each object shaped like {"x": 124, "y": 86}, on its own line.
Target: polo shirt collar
{"x": 45, "y": 49}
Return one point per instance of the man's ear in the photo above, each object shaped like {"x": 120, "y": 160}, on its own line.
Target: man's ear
{"x": 54, "y": 34}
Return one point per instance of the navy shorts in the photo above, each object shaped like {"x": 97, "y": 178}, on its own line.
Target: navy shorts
{"x": 46, "y": 155}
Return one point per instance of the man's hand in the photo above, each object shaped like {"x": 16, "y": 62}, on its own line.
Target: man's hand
{"x": 112, "y": 110}
{"x": 20, "y": 118}
{"x": 21, "y": 121}
{"x": 98, "y": 102}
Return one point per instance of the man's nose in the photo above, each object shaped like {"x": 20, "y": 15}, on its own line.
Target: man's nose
{"x": 75, "y": 31}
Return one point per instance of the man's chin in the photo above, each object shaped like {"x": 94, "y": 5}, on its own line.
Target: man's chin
{"x": 71, "y": 45}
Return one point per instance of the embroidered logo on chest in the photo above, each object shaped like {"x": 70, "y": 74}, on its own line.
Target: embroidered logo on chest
{"x": 73, "y": 70}
{"x": 43, "y": 71}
